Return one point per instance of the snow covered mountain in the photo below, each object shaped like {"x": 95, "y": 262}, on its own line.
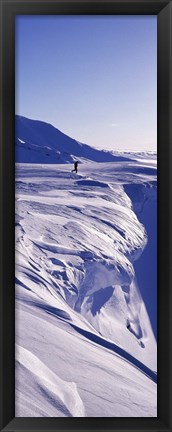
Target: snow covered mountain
{"x": 84, "y": 340}
{"x": 39, "y": 142}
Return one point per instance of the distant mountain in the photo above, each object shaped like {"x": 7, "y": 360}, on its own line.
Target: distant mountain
{"x": 40, "y": 142}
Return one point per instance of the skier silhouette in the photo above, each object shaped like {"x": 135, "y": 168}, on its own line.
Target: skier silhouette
{"x": 75, "y": 167}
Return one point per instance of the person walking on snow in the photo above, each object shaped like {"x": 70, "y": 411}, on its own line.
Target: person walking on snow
{"x": 75, "y": 167}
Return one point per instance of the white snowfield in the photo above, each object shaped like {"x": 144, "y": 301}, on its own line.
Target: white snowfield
{"x": 62, "y": 397}
{"x": 85, "y": 345}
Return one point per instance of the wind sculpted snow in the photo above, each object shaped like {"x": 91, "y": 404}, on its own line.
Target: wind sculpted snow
{"x": 86, "y": 344}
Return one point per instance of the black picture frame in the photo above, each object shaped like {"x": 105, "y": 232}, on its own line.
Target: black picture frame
{"x": 8, "y": 10}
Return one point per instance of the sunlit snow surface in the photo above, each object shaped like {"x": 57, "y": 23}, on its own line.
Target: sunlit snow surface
{"x": 84, "y": 342}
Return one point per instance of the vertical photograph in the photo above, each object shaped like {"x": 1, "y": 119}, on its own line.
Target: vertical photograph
{"x": 86, "y": 216}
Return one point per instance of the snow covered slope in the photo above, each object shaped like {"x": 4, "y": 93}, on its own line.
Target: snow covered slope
{"x": 85, "y": 345}
{"x": 40, "y": 142}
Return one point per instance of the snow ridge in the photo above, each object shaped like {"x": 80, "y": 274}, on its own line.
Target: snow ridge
{"x": 40, "y": 142}
{"x": 61, "y": 395}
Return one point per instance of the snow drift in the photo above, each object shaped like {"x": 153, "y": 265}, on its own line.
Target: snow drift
{"x": 80, "y": 314}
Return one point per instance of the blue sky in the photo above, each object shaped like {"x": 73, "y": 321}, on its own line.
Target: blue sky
{"x": 92, "y": 77}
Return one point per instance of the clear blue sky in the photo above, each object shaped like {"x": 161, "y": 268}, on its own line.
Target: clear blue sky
{"x": 92, "y": 77}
